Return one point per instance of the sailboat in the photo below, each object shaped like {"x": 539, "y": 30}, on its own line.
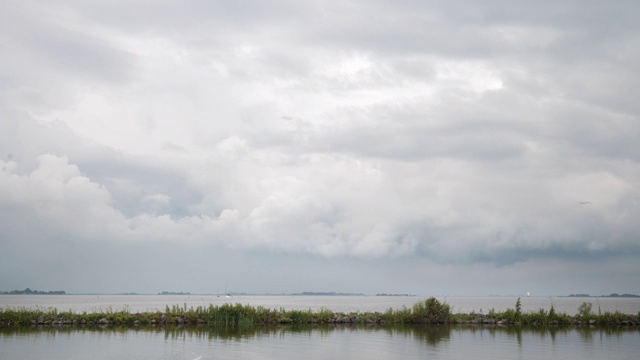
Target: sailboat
{"x": 528, "y": 294}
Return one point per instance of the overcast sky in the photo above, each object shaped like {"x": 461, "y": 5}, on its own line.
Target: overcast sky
{"x": 424, "y": 147}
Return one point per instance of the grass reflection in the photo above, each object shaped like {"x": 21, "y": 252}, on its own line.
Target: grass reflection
{"x": 431, "y": 335}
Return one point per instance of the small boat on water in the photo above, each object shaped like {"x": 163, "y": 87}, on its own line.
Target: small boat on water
{"x": 528, "y": 294}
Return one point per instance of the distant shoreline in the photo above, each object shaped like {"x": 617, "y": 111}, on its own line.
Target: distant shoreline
{"x": 28, "y": 291}
{"x": 614, "y": 295}
{"x": 322, "y": 293}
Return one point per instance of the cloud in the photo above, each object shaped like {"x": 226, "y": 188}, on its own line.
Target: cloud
{"x": 158, "y": 198}
{"x": 351, "y": 213}
{"x": 460, "y": 134}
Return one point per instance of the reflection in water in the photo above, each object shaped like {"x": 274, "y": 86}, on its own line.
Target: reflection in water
{"x": 429, "y": 334}
{"x": 319, "y": 342}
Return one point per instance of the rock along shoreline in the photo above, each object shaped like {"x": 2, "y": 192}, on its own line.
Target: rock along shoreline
{"x": 429, "y": 311}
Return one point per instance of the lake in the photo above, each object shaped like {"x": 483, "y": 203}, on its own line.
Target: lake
{"x": 316, "y": 342}
{"x": 321, "y": 342}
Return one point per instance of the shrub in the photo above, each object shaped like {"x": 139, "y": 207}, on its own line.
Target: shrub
{"x": 584, "y": 311}
{"x": 431, "y": 311}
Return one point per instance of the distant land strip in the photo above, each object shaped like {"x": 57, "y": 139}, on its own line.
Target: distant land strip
{"x": 329, "y": 293}
{"x": 614, "y": 295}
{"x": 28, "y": 291}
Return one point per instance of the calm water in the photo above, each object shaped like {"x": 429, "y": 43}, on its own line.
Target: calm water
{"x": 340, "y": 342}
{"x": 424, "y": 342}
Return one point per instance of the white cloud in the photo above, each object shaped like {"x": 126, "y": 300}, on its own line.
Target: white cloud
{"x": 464, "y": 133}
{"x": 58, "y": 199}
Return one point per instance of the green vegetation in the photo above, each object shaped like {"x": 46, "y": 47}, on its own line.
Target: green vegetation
{"x": 430, "y": 311}
{"x": 544, "y": 318}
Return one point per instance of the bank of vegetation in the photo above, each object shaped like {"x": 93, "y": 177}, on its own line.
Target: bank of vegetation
{"x": 430, "y": 311}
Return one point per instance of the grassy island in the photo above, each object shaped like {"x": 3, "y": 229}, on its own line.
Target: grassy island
{"x": 430, "y": 311}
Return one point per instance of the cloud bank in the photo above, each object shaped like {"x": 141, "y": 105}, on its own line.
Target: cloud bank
{"x": 492, "y": 134}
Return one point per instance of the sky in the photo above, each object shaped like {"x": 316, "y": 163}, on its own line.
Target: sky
{"x": 422, "y": 147}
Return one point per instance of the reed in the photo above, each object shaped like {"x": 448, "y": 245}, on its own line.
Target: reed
{"x": 430, "y": 311}
{"x": 544, "y": 318}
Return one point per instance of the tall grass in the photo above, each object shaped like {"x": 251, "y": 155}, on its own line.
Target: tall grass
{"x": 429, "y": 311}
{"x": 545, "y": 318}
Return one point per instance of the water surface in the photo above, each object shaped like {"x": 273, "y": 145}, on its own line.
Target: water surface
{"x": 320, "y": 342}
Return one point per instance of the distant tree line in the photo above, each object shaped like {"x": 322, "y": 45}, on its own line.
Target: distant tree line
{"x": 614, "y": 295}
{"x": 329, "y": 293}
{"x": 28, "y": 291}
